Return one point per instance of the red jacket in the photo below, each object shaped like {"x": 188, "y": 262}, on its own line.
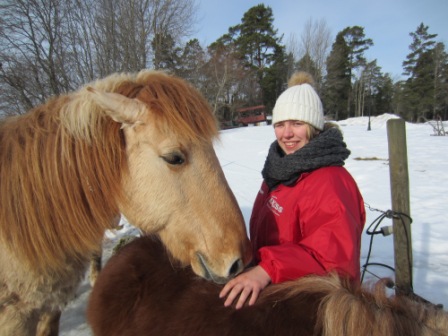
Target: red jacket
{"x": 311, "y": 227}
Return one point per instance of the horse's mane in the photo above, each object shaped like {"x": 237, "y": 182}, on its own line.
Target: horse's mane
{"x": 58, "y": 192}
{"x": 61, "y": 165}
{"x": 349, "y": 309}
{"x": 176, "y": 107}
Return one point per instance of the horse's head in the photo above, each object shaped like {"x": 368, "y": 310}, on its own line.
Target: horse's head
{"x": 174, "y": 184}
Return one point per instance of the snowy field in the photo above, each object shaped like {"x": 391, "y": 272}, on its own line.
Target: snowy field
{"x": 242, "y": 153}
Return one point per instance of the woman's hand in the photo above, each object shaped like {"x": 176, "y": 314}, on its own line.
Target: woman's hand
{"x": 249, "y": 283}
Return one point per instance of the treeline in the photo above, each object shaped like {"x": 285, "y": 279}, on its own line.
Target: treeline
{"x": 49, "y": 47}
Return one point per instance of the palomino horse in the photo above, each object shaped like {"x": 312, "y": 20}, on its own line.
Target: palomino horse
{"x": 142, "y": 291}
{"x": 137, "y": 144}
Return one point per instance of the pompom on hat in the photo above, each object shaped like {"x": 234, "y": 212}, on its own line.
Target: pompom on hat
{"x": 299, "y": 102}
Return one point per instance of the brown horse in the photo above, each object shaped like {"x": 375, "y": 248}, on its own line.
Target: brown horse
{"x": 140, "y": 145}
{"x": 143, "y": 291}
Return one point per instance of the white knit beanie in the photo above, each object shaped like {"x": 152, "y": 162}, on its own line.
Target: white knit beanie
{"x": 299, "y": 102}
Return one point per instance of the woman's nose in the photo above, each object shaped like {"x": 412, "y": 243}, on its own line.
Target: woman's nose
{"x": 288, "y": 132}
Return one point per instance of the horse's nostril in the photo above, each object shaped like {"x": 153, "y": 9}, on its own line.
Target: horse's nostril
{"x": 236, "y": 268}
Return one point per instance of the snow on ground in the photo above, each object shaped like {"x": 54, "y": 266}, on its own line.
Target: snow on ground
{"x": 242, "y": 153}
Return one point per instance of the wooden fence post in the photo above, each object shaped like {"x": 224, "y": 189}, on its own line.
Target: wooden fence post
{"x": 399, "y": 180}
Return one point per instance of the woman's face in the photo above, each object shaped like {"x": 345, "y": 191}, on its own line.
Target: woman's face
{"x": 291, "y": 135}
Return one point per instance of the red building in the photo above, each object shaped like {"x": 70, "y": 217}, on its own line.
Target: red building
{"x": 250, "y": 115}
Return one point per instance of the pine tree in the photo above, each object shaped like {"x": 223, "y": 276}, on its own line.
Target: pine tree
{"x": 440, "y": 108}
{"x": 166, "y": 53}
{"x": 261, "y": 50}
{"x": 357, "y": 45}
{"x": 419, "y": 91}
{"x": 347, "y": 54}
{"x": 384, "y": 96}
{"x": 191, "y": 63}
{"x": 338, "y": 79}
{"x": 366, "y": 87}
{"x": 422, "y": 42}
{"x": 257, "y": 41}
{"x": 307, "y": 64}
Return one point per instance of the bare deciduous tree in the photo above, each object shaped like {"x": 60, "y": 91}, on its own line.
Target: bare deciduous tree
{"x": 34, "y": 57}
{"x": 229, "y": 82}
{"x": 48, "y": 47}
{"x": 315, "y": 41}
{"x": 174, "y": 18}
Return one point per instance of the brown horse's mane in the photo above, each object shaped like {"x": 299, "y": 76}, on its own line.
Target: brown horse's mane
{"x": 61, "y": 165}
{"x": 349, "y": 309}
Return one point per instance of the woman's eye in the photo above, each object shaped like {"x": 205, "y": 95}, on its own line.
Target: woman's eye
{"x": 174, "y": 158}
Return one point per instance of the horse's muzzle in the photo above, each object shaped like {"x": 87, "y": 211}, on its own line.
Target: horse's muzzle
{"x": 235, "y": 268}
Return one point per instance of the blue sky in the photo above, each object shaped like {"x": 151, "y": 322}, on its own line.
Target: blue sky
{"x": 387, "y": 22}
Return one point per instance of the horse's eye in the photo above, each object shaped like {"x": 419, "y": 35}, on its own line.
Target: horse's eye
{"x": 174, "y": 159}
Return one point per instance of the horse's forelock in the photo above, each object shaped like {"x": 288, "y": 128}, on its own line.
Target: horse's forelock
{"x": 173, "y": 104}
{"x": 81, "y": 115}
{"x": 176, "y": 107}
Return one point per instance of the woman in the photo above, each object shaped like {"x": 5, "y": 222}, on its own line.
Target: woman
{"x": 309, "y": 215}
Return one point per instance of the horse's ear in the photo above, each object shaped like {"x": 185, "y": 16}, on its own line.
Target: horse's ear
{"x": 126, "y": 111}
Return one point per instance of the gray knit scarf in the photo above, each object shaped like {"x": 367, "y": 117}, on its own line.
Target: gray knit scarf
{"x": 326, "y": 149}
